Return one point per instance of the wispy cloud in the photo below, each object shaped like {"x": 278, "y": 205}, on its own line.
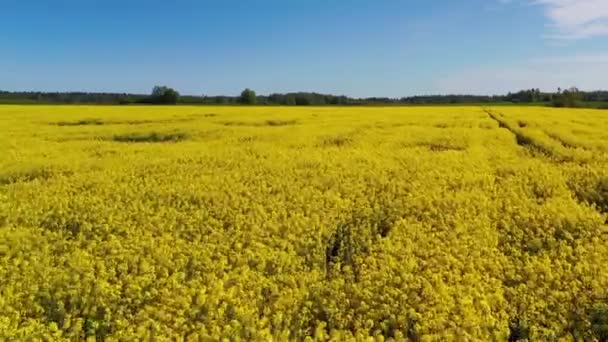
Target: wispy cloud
{"x": 585, "y": 71}
{"x": 575, "y": 19}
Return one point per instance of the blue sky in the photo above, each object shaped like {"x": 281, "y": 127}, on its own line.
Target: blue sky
{"x": 353, "y": 47}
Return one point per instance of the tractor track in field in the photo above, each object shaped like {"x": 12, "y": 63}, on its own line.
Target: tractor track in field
{"x": 521, "y": 139}
{"x": 599, "y": 199}
{"x": 563, "y": 142}
{"x": 530, "y": 143}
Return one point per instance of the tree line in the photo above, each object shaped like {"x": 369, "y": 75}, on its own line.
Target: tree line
{"x": 571, "y": 97}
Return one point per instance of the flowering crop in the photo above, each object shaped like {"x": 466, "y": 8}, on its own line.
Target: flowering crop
{"x": 303, "y": 223}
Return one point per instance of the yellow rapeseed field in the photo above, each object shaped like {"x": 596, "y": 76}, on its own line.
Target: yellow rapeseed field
{"x": 303, "y": 223}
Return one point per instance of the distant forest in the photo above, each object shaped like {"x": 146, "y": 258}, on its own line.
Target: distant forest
{"x": 164, "y": 95}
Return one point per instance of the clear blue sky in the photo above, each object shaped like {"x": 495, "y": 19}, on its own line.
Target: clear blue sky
{"x": 353, "y": 47}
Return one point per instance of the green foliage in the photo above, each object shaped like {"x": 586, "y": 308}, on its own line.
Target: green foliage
{"x": 248, "y": 97}
{"x": 592, "y": 99}
{"x": 527, "y": 96}
{"x": 164, "y": 95}
{"x": 569, "y": 98}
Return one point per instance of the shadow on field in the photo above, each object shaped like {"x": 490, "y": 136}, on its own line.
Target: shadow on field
{"x": 151, "y": 137}
{"x": 100, "y": 122}
{"x": 29, "y": 175}
{"x": 595, "y": 195}
{"x": 273, "y": 123}
{"x": 336, "y": 141}
{"x": 83, "y": 122}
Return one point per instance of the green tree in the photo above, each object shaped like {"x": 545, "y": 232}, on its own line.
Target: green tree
{"x": 567, "y": 98}
{"x": 248, "y": 97}
{"x": 164, "y": 95}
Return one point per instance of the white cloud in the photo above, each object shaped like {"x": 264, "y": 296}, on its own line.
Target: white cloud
{"x": 586, "y": 72}
{"x": 576, "y": 19}
{"x": 572, "y": 60}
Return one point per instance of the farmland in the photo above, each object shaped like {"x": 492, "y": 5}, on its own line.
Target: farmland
{"x": 308, "y": 223}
